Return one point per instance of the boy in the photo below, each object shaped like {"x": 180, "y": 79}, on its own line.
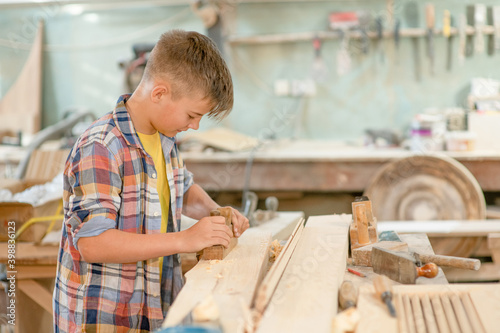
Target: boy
{"x": 125, "y": 188}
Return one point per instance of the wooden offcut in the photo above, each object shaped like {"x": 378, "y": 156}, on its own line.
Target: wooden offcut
{"x": 362, "y": 256}
{"x": 219, "y": 252}
{"x": 363, "y": 229}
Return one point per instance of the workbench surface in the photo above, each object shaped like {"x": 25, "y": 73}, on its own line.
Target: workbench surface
{"x": 286, "y": 165}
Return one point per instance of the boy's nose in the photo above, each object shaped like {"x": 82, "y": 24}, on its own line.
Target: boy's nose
{"x": 195, "y": 124}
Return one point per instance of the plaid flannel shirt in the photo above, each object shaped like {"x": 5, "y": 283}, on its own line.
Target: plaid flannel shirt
{"x": 110, "y": 182}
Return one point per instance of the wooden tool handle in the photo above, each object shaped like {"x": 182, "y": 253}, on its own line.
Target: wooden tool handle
{"x": 348, "y": 295}
{"x": 382, "y": 284}
{"x": 464, "y": 263}
{"x": 429, "y": 270}
{"x": 227, "y": 213}
{"x": 429, "y": 15}
{"x": 446, "y": 23}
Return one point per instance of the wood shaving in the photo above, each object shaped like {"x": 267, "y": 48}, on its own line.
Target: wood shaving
{"x": 276, "y": 248}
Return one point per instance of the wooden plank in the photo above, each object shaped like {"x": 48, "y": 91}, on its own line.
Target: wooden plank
{"x": 231, "y": 282}
{"x": 441, "y": 320}
{"x": 430, "y": 319}
{"x": 475, "y": 322}
{"x": 36, "y": 272}
{"x": 31, "y": 254}
{"x": 462, "y": 317}
{"x": 494, "y": 246}
{"x": 37, "y": 293}
{"x": 449, "y": 228}
{"x": 486, "y": 301}
{"x": 311, "y": 279}
{"x": 487, "y": 272}
{"x": 450, "y": 314}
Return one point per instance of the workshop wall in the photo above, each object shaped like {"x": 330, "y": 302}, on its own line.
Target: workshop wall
{"x": 85, "y": 44}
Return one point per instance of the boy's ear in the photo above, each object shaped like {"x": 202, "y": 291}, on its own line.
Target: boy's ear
{"x": 159, "y": 92}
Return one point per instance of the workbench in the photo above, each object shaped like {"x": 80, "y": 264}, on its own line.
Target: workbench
{"x": 318, "y": 166}
{"x": 34, "y": 271}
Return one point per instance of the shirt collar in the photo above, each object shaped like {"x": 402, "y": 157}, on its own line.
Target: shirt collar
{"x": 125, "y": 125}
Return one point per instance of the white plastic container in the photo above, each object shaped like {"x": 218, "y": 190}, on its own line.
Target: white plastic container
{"x": 460, "y": 141}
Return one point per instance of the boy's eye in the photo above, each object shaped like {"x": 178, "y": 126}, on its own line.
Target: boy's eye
{"x": 190, "y": 116}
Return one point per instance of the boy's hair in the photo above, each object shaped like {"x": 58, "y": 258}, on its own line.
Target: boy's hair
{"x": 192, "y": 63}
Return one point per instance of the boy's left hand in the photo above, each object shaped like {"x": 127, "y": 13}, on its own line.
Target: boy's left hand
{"x": 240, "y": 222}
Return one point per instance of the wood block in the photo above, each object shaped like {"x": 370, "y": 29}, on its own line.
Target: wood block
{"x": 353, "y": 234}
{"x": 219, "y": 252}
{"x": 494, "y": 246}
{"x": 362, "y": 256}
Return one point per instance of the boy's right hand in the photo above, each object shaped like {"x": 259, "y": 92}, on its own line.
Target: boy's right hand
{"x": 209, "y": 231}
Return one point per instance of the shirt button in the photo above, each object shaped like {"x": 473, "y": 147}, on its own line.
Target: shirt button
{"x": 153, "y": 175}
{"x": 156, "y": 213}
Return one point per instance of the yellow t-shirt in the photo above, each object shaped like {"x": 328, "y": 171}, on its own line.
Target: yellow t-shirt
{"x": 152, "y": 145}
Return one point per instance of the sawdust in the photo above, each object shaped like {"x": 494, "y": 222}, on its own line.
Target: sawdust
{"x": 276, "y": 248}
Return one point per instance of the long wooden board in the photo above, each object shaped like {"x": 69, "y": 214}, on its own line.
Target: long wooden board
{"x": 450, "y": 228}
{"x": 231, "y": 282}
{"x": 305, "y": 299}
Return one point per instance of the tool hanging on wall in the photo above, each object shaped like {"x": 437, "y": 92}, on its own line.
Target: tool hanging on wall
{"x": 379, "y": 26}
{"x": 364, "y": 23}
{"x": 319, "y": 70}
{"x": 462, "y": 39}
{"x": 447, "y": 23}
{"x": 496, "y": 26}
{"x": 343, "y": 22}
{"x": 479, "y": 24}
{"x": 210, "y": 16}
{"x": 493, "y": 19}
{"x": 430, "y": 22}
{"x": 411, "y": 16}
{"x": 397, "y": 35}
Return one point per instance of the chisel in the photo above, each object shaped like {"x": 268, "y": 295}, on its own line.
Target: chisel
{"x": 447, "y": 22}
{"x": 479, "y": 24}
{"x": 383, "y": 289}
{"x": 496, "y": 26}
{"x": 430, "y": 21}
{"x": 411, "y": 16}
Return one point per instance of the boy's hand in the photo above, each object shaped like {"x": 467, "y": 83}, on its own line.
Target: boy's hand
{"x": 209, "y": 231}
{"x": 240, "y": 223}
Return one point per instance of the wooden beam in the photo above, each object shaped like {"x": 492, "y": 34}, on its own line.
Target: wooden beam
{"x": 305, "y": 299}
{"x": 231, "y": 282}
{"x": 449, "y": 228}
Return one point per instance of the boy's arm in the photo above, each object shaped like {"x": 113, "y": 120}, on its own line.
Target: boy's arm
{"x": 117, "y": 246}
{"x": 198, "y": 204}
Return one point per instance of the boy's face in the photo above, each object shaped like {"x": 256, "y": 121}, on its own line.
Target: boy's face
{"x": 175, "y": 116}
